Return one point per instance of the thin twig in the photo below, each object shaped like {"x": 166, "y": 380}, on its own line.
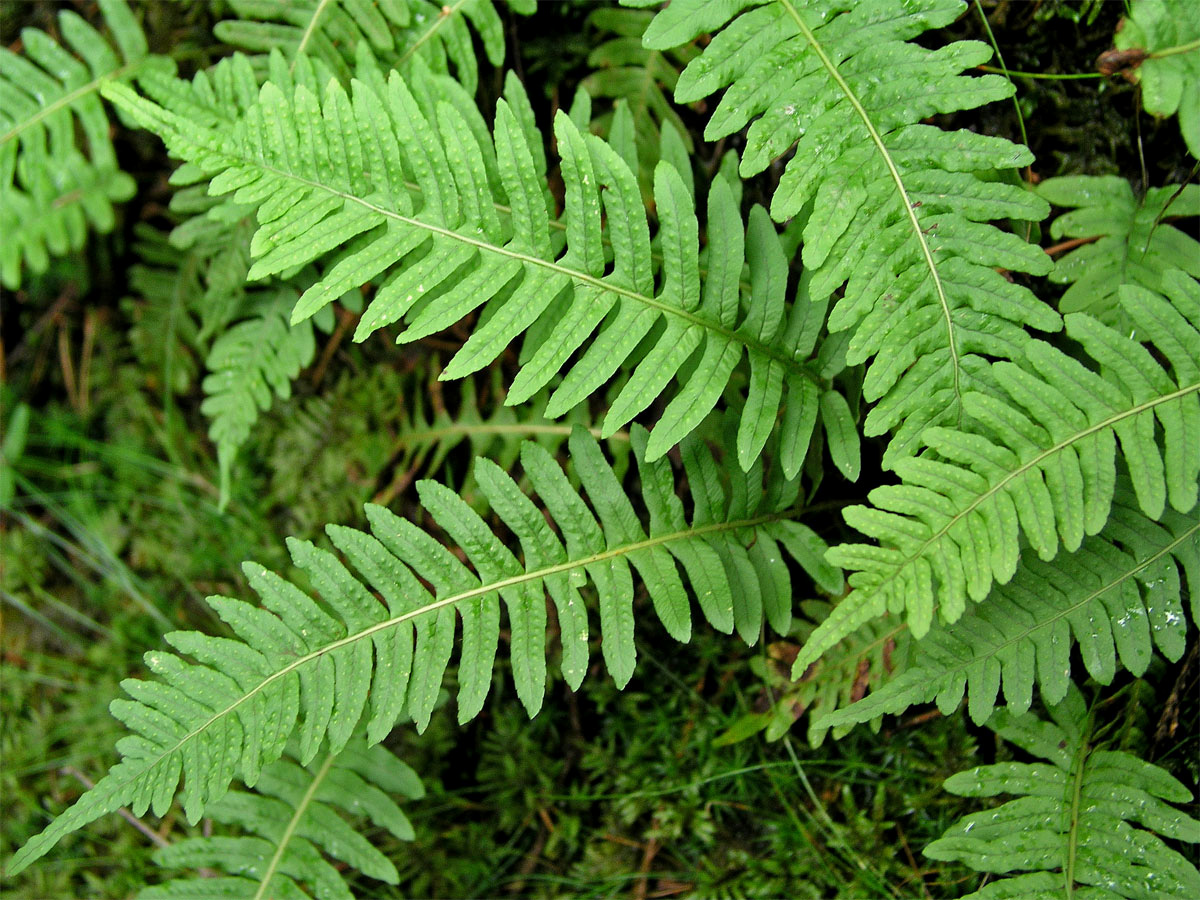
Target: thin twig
{"x": 643, "y": 879}
{"x": 68, "y": 366}
{"x": 49, "y": 317}
{"x": 345, "y": 320}
{"x": 1071, "y": 244}
{"x": 912, "y": 861}
{"x": 85, "y": 359}
{"x": 154, "y": 837}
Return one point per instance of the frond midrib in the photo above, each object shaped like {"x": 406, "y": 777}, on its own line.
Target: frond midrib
{"x": 894, "y": 172}
{"x": 309, "y": 31}
{"x": 482, "y": 590}
{"x": 730, "y": 335}
{"x": 68, "y": 99}
{"x": 1080, "y": 760}
{"x": 443, "y": 16}
{"x": 293, "y": 824}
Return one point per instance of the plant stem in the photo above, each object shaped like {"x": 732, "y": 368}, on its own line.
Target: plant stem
{"x": 1171, "y": 51}
{"x": 1044, "y": 75}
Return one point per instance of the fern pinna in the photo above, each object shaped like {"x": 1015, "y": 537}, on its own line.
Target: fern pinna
{"x": 330, "y": 177}
{"x": 1074, "y": 830}
{"x": 317, "y": 670}
{"x": 293, "y": 824}
{"x": 1125, "y": 239}
{"x": 394, "y": 31}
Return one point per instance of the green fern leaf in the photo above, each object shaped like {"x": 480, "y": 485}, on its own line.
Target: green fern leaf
{"x": 293, "y": 820}
{"x": 894, "y": 209}
{"x": 52, "y": 189}
{"x": 1135, "y": 246}
{"x": 1168, "y": 32}
{"x": 626, "y": 72}
{"x": 869, "y": 660}
{"x": 430, "y": 430}
{"x": 393, "y": 31}
{"x": 340, "y": 193}
{"x": 1040, "y": 462}
{"x": 1073, "y": 829}
{"x": 318, "y": 669}
{"x": 165, "y": 334}
{"x": 1115, "y": 597}
{"x": 248, "y": 364}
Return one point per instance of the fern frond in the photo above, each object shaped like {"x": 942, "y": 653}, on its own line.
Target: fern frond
{"x": 165, "y": 334}
{"x": 1074, "y": 829}
{"x": 249, "y": 364}
{"x": 330, "y": 178}
{"x": 895, "y": 210}
{"x": 1135, "y": 246}
{"x": 378, "y": 647}
{"x": 393, "y": 31}
{"x": 1115, "y": 597}
{"x": 293, "y": 824}
{"x": 1168, "y": 33}
{"x": 51, "y": 187}
{"x": 861, "y": 664}
{"x": 1040, "y": 462}
{"x": 624, "y": 70}
{"x": 431, "y": 430}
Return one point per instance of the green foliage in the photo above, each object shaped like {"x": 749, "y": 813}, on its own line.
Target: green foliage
{"x": 895, "y": 210}
{"x": 249, "y": 362}
{"x": 396, "y": 31}
{"x": 51, "y": 188}
{"x": 643, "y": 337}
{"x": 1135, "y": 246}
{"x": 1040, "y": 464}
{"x": 328, "y": 451}
{"x": 292, "y": 819}
{"x": 432, "y": 426}
{"x": 323, "y": 663}
{"x": 1073, "y": 829}
{"x": 1168, "y": 32}
{"x": 16, "y": 429}
{"x": 167, "y": 294}
{"x": 642, "y": 78}
{"x": 873, "y": 659}
{"x": 339, "y": 190}
{"x": 1117, "y": 597}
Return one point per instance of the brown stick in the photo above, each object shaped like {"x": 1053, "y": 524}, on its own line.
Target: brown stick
{"x": 345, "y": 320}
{"x": 1071, "y": 244}
{"x": 155, "y": 838}
{"x": 643, "y": 880}
{"x": 85, "y": 359}
{"x": 68, "y": 366}
{"x": 917, "y": 871}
